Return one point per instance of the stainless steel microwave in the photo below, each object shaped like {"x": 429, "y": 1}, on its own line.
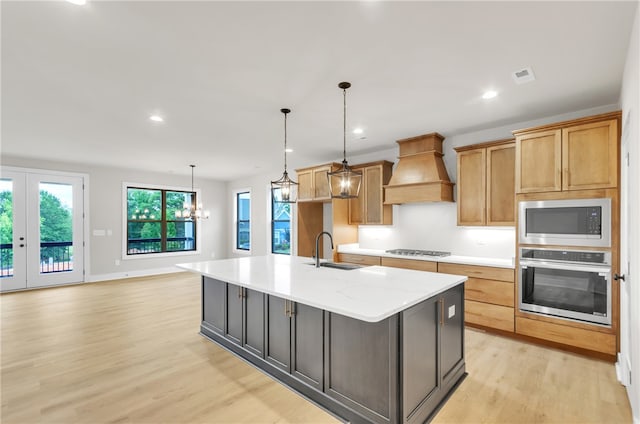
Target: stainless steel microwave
{"x": 575, "y": 222}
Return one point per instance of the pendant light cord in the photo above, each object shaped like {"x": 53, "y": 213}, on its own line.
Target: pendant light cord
{"x": 344, "y": 127}
{"x": 285, "y": 143}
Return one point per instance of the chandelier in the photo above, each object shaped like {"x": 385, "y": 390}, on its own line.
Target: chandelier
{"x": 284, "y": 190}
{"x": 190, "y": 210}
{"x": 345, "y": 182}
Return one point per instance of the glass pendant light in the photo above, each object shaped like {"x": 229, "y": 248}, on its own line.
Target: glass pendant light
{"x": 190, "y": 210}
{"x": 345, "y": 182}
{"x": 284, "y": 190}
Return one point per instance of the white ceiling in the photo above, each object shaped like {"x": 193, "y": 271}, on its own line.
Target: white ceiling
{"x": 79, "y": 83}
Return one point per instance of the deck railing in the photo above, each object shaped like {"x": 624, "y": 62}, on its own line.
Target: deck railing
{"x": 154, "y": 245}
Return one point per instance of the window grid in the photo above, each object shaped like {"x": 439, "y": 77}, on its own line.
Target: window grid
{"x": 165, "y": 233}
{"x": 280, "y": 227}
{"x": 243, "y": 221}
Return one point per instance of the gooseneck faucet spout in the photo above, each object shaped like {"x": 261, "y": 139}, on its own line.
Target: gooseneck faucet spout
{"x": 317, "y": 242}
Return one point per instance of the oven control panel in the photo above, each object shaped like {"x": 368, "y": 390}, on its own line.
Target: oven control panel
{"x": 573, "y": 256}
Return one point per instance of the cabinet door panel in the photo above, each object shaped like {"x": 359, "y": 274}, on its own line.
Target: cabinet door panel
{"x": 234, "y": 313}
{"x": 501, "y": 180}
{"x": 420, "y": 347}
{"x": 214, "y": 294}
{"x": 452, "y": 336}
{"x": 308, "y": 343}
{"x": 254, "y": 322}
{"x": 538, "y": 162}
{"x": 321, "y": 183}
{"x": 305, "y": 185}
{"x": 471, "y": 187}
{"x": 278, "y": 333}
{"x": 590, "y": 156}
{"x": 373, "y": 194}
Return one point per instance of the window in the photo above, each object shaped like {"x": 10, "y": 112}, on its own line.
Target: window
{"x": 152, "y": 222}
{"x": 243, "y": 220}
{"x": 280, "y": 227}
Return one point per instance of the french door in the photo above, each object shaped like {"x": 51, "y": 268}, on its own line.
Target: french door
{"x": 41, "y": 230}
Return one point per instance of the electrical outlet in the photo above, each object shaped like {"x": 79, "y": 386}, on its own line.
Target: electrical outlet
{"x": 117, "y": 262}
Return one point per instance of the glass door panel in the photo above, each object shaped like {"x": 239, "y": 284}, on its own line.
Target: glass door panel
{"x": 12, "y": 231}
{"x": 55, "y": 255}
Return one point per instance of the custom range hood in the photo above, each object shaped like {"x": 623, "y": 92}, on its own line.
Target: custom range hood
{"x": 420, "y": 175}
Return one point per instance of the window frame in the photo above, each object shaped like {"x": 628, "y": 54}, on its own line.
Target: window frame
{"x": 236, "y": 221}
{"x": 274, "y": 221}
{"x": 125, "y": 221}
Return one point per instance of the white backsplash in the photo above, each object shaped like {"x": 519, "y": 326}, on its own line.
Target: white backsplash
{"x": 432, "y": 226}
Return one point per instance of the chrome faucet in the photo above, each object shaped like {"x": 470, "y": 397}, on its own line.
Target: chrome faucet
{"x": 317, "y": 242}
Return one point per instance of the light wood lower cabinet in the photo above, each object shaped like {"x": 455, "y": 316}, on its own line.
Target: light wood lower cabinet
{"x": 358, "y": 259}
{"x": 572, "y": 336}
{"x": 488, "y": 315}
{"x": 489, "y": 295}
{"x": 410, "y": 264}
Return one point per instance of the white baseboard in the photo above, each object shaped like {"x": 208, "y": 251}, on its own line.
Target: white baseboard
{"x": 130, "y": 274}
{"x": 622, "y": 369}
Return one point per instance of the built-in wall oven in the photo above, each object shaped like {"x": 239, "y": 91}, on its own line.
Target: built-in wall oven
{"x": 573, "y": 284}
{"x": 573, "y": 222}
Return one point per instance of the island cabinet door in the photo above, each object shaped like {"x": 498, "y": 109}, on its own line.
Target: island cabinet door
{"x": 420, "y": 379}
{"x": 361, "y": 366}
{"x": 307, "y": 344}
{"x": 278, "y": 333}
{"x": 432, "y": 334}
{"x": 214, "y": 294}
{"x": 452, "y": 332}
{"x": 253, "y": 339}
{"x": 234, "y": 313}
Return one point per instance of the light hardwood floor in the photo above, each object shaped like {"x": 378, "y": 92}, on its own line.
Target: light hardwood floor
{"x": 129, "y": 351}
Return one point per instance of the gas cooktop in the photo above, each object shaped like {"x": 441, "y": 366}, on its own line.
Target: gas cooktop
{"x": 413, "y": 252}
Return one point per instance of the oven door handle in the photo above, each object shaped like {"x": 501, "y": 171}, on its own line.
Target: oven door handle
{"x": 566, "y": 267}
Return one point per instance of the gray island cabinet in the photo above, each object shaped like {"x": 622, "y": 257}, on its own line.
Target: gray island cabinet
{"x": 394, "y": 358}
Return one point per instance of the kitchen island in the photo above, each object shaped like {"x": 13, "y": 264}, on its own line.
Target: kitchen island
{"x": 373, "y": 344}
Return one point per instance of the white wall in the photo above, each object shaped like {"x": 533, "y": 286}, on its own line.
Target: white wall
{"x": 432, "y": 226}
{"x": 105, "y": 213}
{"x": 630, "y": 103}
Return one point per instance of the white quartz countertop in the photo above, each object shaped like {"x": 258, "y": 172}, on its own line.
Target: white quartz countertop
{"x": 370, "y": 293}
{"x": 453, "y": 259}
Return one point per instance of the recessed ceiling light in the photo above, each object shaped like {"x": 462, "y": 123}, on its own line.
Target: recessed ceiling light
{"x": 358, "y": 131}
{"x": 77, "y": 2}
{"x": 156, "y": 118}
{"x": 489, "y": 94}
{"x": 288, "y": 150}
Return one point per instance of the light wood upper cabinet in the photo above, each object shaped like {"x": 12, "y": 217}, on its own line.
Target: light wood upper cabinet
{"x": 501, "y": 170}
{"x": 472, "y": 187}
{"x": 369, "y": 208}
{"x": 572, "y": 155}
{"x": 539, "y": 161}
{"x": 314, "y": 184}
{"x": 590, "y": 156}
{"x": 486, "y": 180}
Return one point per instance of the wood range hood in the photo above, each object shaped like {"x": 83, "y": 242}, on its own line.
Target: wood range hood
{"x": 420, "y": 175}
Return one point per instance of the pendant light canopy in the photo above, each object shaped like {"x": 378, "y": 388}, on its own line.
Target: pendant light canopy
{"x": 284, "y": 190}
{"x": 191, "y": 210}
{"x": 345, "y": 182}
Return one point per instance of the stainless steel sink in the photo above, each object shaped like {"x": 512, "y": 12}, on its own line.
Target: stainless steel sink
{"x": 339, "y": 265}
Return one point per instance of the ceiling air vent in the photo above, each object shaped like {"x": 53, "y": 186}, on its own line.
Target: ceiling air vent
{"x": 523, "y": 75}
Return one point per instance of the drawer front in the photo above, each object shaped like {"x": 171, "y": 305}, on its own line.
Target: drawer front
{"x": 490, "y": 291}
{"x": 487, "y": 315}
{"x": 358, "y": 259}
{"x": 487, "y": 272}
{"x": 410, "y": 264}
{"x": 572, "y": 336}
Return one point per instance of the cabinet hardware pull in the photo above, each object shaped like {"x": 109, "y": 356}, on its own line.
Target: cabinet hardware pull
{"x": 239, "y": 292}
{"x": 286, "y": 308}
{"x": 292, "y": 310}
{"x": 441, "y": 312}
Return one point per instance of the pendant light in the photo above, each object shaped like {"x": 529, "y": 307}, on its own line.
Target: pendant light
{"x": 190, "y": 210}
{"x": 345, "y": 182}
{"x": 284, "y": 190}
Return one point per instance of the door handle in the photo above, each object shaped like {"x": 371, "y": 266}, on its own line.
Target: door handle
{"x": 618, "y": 277}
